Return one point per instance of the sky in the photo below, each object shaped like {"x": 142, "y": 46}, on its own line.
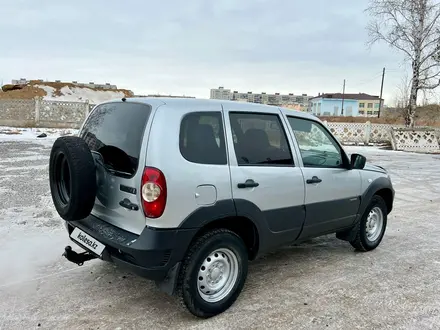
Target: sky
{"x": 188, "y": 47}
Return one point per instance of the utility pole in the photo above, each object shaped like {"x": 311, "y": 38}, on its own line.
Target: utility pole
{"x": 343, "y": 96}
{"x": 381, "y": 90}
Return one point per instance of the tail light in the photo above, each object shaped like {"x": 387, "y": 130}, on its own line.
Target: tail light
{"x": 154, "y": 192}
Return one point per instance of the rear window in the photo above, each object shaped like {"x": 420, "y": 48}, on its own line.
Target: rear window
{"x": 115, "y": 131}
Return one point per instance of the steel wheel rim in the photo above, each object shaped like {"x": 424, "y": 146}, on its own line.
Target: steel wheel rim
{"x": 217, "y": 275}
{"x": 374, "y": 224}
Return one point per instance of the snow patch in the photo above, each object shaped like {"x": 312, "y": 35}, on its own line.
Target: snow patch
{"x": 19, "y": 168}
{"x": 31, "y": 134}
{"x": 49, "y": 90}
{"x": 24, "y": 158}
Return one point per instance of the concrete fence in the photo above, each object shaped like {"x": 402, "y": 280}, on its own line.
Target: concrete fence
{"x": 361, "y": 133}
{"x": 59, "y": 114}
{"x": 41, "y": 113}
{"x": 423, "y": 139}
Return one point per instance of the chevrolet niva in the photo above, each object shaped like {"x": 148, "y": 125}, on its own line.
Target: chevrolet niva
{"x": 186, "y": 191}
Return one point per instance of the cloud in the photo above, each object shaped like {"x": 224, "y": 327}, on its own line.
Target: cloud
{"x": 191, "y": 46}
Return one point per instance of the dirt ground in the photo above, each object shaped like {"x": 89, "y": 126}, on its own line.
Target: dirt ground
{"x": 322, "y": 284}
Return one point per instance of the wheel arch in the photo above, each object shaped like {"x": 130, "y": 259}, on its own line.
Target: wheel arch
{"x": 388, "y": 196}
{"x": 223, "y": 214}
{"x": 382, "y": 187}
{"x": 240, "y": 225}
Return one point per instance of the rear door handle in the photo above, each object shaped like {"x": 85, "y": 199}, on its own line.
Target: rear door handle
{"x": 314, "y": 179}
{"x": 248, "y": 184}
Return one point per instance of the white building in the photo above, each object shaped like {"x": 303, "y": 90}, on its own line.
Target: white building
{"x": 21, "y": 81}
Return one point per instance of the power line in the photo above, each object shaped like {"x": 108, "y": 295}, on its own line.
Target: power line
{"x": 364, "y": 82}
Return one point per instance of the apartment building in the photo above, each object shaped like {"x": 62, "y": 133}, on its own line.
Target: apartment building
{"x": 289, "y": 100}
{"x": 220, "y": 93}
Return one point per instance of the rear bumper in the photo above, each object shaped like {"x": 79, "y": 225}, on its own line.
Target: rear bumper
{"x": 153, "y": 254}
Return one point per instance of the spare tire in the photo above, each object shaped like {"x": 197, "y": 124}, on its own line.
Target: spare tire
{"x": 72, "y": 178}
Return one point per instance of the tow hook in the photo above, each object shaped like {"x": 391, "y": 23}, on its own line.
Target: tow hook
{"x": 77, "y": 258}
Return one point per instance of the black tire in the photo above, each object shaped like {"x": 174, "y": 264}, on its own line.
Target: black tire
{"x": 361, "y": 242}
{"x": 72, "y": 178}
{"x": 199, "y": 251}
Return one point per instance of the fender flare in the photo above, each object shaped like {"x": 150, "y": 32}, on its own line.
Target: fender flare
{"x": 229, "y": 208}
{"x": 375, "y": 186}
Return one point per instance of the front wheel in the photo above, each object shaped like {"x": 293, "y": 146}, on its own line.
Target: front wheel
{"x": 213, "y": 273}
{"x": 371, "y": 229}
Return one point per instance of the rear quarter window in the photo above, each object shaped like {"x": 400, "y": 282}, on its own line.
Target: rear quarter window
{"x": 201, "y": 138}
{"x": 115, "y": 131}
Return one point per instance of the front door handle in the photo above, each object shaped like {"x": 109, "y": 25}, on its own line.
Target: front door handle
{"x": 314, "y": 179}
{"x": 248, "y": 184}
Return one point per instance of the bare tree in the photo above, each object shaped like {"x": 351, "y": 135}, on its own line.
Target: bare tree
{"x": 413, "y": 28}
{"x": 402, "y": 97}
{"x": 401, "y": 100}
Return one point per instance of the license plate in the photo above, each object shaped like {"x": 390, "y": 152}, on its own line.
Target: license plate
{"x": 87, "y": 241}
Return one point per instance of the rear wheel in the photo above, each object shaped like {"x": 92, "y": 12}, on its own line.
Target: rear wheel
{"x": 213, "y": 273}
{"x": 371, "y": 229}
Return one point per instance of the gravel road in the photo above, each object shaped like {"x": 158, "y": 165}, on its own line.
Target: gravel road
{"x": 321, "y": 284}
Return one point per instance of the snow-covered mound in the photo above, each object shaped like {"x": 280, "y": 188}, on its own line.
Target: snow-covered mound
{"x": 64, "y": 91}
{"x": 79, "y": 94}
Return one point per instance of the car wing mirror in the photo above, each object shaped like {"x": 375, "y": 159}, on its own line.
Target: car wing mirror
{"x": 357, "y": 161}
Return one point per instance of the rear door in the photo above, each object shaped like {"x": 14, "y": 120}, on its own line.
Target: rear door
{"x": 266, "y": 183}
{"x": 332, "y": 190}
{"x": 114, "y": 133}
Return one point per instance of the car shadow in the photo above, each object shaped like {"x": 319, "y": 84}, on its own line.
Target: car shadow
{"x": 145, "y": 298}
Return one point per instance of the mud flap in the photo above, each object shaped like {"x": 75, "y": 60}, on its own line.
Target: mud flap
{"x": 349, "y": 234}
{"x": 168, "y": 285}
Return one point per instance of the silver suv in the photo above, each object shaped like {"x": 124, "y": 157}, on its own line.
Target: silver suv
{"x": 186, "y": 191}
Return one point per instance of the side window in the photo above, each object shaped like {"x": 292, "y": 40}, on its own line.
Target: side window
{"x": 318, "y": 148}
{"x": 260, "y": 139}
{"x": 202, "y": 139}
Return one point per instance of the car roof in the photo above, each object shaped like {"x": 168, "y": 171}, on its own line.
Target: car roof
{"x": 178, "y": 102}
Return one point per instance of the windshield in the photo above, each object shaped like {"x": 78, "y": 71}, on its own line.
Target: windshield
{"x": 115, "y": 131}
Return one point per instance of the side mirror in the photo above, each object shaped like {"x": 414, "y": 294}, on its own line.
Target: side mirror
{"x": 357, "y": 161}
